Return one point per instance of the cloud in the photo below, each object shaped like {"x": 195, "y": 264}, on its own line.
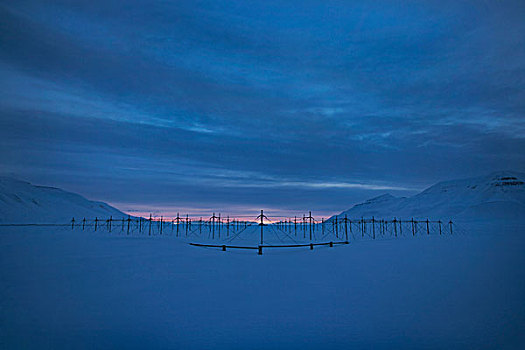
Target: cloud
{"x": 256, "y": 102}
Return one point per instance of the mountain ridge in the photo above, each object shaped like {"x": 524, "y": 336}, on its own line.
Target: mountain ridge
{"x": 498, "y": 195}
{"x": 23, "y": 202}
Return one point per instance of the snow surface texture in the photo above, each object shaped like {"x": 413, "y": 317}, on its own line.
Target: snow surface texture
{"x": 500, "y": 195}
{"x": 22, "y": 202}
{"x": 64, "y": 289}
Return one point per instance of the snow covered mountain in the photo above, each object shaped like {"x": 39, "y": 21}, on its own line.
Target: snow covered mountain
{"x": 500, "y": 195}
{"x": 22, "y": 202}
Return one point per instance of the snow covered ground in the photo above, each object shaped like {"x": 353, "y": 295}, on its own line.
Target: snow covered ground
{"x": 64, "y": 288}
{"x": 75, "y": 289}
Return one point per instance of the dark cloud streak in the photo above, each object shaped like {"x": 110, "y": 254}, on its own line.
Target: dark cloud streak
{"x": 257, "y": 104}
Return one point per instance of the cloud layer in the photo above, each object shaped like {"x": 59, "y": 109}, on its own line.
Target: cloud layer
{"x": 234, "y": 104}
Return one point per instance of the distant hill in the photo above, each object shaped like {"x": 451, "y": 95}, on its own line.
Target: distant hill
{"x": 500, "y": 195}
{"x": 22, "y": 202}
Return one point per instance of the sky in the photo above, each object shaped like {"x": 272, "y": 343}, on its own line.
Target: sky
{"x": 237, "y": 106}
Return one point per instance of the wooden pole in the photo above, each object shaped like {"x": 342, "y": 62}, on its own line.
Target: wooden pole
{"x": 213, "y": 226}
{"x": 219, "y": 221}
{"x": 346, "y": 227}
{"x": 310, "y": 219}
{"x": 395, "y": 227}
{"x": 262, "y": 225}
{"x": 178, "y": 221}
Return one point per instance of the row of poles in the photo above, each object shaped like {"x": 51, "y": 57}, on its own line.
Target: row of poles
{"x": 338, "y": 226}
{"x": 180, "y": 226}
{"x": 341, "y": 226}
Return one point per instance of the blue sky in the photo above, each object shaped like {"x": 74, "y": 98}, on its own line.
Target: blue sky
{"x": 235, "y": 106}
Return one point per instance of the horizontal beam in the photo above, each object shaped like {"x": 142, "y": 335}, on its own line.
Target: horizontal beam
{"x": 266, "y": 246}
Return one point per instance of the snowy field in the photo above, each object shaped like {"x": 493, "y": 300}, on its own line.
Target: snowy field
{"x": 64, "y": 289}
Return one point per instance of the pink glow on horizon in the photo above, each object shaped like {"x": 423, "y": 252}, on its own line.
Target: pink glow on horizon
{"x": 235, "y": 213}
